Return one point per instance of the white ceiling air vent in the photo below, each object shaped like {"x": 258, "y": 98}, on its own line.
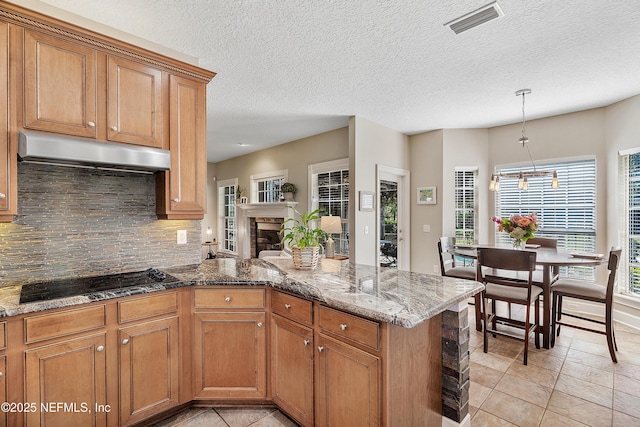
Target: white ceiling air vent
{"x": 477, "y": 17}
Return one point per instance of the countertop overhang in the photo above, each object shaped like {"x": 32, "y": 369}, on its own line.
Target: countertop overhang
{"x": 398, "y": 297}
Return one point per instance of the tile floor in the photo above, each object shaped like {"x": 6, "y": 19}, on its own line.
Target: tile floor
{"x": 229, "y": 417}
{"x": 574, "y": 384}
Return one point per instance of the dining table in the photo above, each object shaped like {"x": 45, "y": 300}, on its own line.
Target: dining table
{"x": 549, "y": 260}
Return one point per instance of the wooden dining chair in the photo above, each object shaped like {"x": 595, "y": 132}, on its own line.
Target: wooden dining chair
{"x": 544, "y": 242}
{"x": 587, "y": 291}
{"x": 510, "y": 290}
{"x": 448, "y": 265}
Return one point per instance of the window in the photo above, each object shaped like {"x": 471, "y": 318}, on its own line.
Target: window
{"x": 629, "y": 270}
{"x": 466, "y": 193}
{"x": 265, "y": 188}
{"x": 330, "y": 193}
{"x": 567, "y": 213}
{"x": 227, "y": 214}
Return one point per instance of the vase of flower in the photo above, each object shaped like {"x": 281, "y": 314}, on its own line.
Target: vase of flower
{"x": 519, "y": 227}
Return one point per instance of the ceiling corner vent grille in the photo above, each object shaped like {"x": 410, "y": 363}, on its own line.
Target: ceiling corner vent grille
{"x": 477, "y": 17}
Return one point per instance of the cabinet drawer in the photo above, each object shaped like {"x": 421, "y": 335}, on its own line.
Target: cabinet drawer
{"x": 357, "y": 329}
{"x": 293, "y": 308}
{"x": 229, "y": 298}
{"x": 141, "y": 308}
{"x": 40, "y": 328}
{"x": 3, "y": 335}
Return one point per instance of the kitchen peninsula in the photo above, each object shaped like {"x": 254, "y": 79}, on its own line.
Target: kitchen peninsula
{"x": 343, "y": 344}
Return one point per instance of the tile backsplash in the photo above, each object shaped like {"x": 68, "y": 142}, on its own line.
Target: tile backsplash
{"x": 81, "y": 222}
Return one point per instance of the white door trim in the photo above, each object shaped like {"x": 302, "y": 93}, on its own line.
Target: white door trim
{"x": 403, "y": 177}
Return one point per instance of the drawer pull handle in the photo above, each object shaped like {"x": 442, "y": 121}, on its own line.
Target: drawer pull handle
{"x": 125, "y": 341}
{"x": 259, "y": 324}
{"x": 176, "y": 200}
{"x": 0, "y": 374}
{"x": 91, "y": 124}
{"x": 2, "y": 195}
{"x": 114, "y": 128}
{"x": 227, "y": 299}
{"x": 320, "y": 349}
{"x": 343, "y": 327}
{"x": 100, "y": 348}
{"x": 306, "y": 342}
{"x": 287, "y": 306}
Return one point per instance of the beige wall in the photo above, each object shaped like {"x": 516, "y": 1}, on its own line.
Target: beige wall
{"x": 294, "y": 156}
{"x": 370, "y": 144}
{"x": 426, "y": 165}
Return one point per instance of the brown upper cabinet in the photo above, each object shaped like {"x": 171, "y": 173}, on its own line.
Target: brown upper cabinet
{"x": 68, "y": 80}
{"x": 180, "y": 194}
{"x": 134, "y": 103}
{"x": 59, "y": 85}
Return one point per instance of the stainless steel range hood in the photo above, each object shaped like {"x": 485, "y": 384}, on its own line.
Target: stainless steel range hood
{"x": 39, "y": 147}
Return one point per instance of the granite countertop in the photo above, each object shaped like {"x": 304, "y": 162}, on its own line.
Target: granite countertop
{"x": 398, "y": 297}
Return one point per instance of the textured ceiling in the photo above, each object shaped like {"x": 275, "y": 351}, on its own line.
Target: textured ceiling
{"x": 293, "y": 68}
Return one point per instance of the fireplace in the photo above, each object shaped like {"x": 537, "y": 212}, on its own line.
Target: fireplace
{"x": 259, "y": 225}
{"x": 265, "y": 235}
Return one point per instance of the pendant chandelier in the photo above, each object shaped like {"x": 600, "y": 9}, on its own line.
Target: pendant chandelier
{"x": 523, "y": 176}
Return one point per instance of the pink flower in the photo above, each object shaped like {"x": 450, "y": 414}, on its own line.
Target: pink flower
{"x": 523, "y": 222}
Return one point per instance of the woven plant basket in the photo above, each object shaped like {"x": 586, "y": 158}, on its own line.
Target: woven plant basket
{"x": 306, "y": 258}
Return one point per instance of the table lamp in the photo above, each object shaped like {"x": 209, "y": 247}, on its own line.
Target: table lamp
{"x": 209, "y": 233}
{"x": 330, "y": 225}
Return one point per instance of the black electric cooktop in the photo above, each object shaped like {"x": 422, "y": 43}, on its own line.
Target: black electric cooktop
{"x": 63, "y": 288}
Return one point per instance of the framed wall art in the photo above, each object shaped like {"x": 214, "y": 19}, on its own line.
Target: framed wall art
{"x": 427, "y": 196}
{"x": 366, "y": 201}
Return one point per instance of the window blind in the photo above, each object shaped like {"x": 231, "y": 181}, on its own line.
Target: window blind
{"x": 567, "y": 213}
{"x": 465, "y": 195}
{"x": 629, "y": 270}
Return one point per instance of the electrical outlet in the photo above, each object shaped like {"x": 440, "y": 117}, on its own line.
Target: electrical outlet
{"x": 366, "y": 229}
{"x": 182, "y": 237}
{"x": 426, "y": 228}
{"x": 436, "y": 269}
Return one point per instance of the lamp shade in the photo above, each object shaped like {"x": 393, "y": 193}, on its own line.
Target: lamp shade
{"x": 331, "y": 224}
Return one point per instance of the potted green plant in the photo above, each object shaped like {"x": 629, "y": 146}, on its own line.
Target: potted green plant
{"x": 303, "y": 239}
{"x": 288, "y": 190}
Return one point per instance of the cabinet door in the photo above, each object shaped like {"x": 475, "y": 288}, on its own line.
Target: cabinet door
{"x": 230, "y": 355}
{"x": 347, "y": 385}
{"x": 7, "y": 161}
{"x": 148, "y": 369}
{"x": 184, "y": 185}
{"x": 134, "y": 103}
{"x": 3, "y": 389}
{"x": 69, "y": 373}
{"x": 59, "y": 85}
{"x": 292, "y": 368}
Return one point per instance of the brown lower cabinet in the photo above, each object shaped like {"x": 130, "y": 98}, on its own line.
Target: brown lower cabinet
{"x": 230, "y": 343}
{"x": 3, "y": 389}
{"x": 69, "y": 379}
{"x": 148, "y": 369}
{"x": 138, "y": 358}
{"x": 292, "y": 368}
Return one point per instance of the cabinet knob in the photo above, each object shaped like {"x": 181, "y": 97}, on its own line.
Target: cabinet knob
{"x": 227, "y": 299}
{"x": 1, "y": 374}
{"x": 100, "y": 348}
{"x": 91, "y": 124}
{"x": 114, "y": 128}
{"x": 176, "y": 200}
{"x": 3, "y": 196}
{"x": 259, "y": 324}
{"x": 287, "y": 306}
{"x": 306, "y": 342}
{"x": 343, "y": 327}
{"x": 320, "y": 349}
{"x": 125, "y": 341}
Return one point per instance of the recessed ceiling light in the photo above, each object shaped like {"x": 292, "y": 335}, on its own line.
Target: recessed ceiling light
{"x": 242, "y": 144}
{"x": 477, "y": 17}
